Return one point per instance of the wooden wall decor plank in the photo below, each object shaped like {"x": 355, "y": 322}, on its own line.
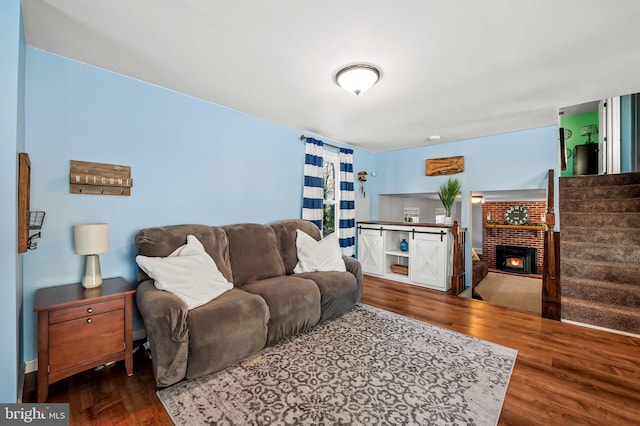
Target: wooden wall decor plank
{"x": 24, "y": 190}
{"x": 444, "y": 166}
{"x": 99, "y": 178}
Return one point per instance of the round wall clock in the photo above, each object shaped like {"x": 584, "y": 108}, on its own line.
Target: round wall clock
{"x": 567, "y": 133}
{"x": 516, "y": 215}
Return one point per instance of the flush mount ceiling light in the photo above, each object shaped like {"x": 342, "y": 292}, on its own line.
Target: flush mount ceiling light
{"x": 357, "y": 78}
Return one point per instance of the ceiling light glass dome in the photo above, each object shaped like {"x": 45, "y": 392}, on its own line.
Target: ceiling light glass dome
{"x": 357, "y": 78}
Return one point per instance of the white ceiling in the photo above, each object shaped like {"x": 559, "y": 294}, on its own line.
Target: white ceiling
{"x": 459, "y": 69}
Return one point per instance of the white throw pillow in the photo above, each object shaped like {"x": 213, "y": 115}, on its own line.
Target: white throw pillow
{"x": 323, "y": 255}
{"x": 189, "y": 273}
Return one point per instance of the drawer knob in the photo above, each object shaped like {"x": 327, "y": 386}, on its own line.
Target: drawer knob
{"x": 89, "y": 310}
{"x": 89, "y": 320}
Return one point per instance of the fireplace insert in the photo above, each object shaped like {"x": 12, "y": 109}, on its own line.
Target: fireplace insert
{"x": 521, "y": 260}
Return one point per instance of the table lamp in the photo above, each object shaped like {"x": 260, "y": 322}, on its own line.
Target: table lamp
{"x": 588, "y": 130}
{"x": 91, "y": 239}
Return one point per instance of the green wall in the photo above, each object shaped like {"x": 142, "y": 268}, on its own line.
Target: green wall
{"x": 574, "y": 123}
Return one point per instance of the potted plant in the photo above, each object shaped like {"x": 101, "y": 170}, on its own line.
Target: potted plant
{"x": 448, "y": 193}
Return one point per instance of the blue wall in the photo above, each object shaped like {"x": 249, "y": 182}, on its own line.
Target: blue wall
{"x": 196, "y": 162}
{"x": 11, "y": 141}
{"x": 21, "y": 147}
{"x": 191, "y": 162}
{"x": 508, "y": 161}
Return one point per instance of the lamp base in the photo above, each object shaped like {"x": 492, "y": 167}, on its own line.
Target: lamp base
{"x": 92, "y": 277}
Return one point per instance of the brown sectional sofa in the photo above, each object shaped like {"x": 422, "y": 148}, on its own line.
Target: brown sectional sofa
{"x": 267, "y": 304}
{"x": 480, "y": 269}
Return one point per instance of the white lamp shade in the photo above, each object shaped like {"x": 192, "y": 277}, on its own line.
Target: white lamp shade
{"x": 91, "y": 238}
{"x": 357, "y": 78}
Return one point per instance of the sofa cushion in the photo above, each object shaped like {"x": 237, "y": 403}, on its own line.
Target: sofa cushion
{"x": 339, "y": 292}
{"x": 162, "y": 241}
{"x": 286, "y": 235}
{"x": 188, "y": 272}
{"x": 294, "y": 304}
{"x": 225, "y": 330}
{"x": 323, "y": 255}
{"x": 253, "y": 252}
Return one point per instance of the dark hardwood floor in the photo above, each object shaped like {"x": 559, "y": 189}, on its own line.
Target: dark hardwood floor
{"x": 108, "y": 396}
{"x": 564, "y": 374}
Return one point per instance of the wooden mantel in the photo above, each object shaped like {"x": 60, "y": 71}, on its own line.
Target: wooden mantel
{"x": 540, "y": 227}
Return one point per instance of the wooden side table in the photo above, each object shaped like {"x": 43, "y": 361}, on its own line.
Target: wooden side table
{"x": 80, "y": 328}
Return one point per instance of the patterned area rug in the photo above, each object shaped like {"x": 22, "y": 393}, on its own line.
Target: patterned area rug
{"x": 368, "y": 367}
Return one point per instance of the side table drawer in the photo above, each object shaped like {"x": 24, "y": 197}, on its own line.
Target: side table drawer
{"x": 81, "y": 340}
{"x": 85, "y": 310}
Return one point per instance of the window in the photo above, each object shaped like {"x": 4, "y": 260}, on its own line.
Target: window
{"x": 331, "y": 186}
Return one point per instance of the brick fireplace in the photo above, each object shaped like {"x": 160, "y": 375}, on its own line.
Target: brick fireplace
{"x": 493, "y": 212}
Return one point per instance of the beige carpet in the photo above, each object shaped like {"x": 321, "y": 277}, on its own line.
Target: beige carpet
{"x": 512, "y": 291}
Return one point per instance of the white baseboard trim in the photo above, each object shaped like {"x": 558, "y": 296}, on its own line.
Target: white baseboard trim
{"x": 32, "y": 365}
{"x": 139, "y": 334}
{"x": 21, "y": 383}
{"x": 596, "y": 327}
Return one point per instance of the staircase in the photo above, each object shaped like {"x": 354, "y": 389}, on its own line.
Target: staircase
{"x": 600, "y": 250}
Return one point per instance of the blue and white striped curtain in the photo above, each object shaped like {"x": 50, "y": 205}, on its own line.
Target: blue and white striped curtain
{"x": 347, "y": 231}
{"x": 313, "y": 193}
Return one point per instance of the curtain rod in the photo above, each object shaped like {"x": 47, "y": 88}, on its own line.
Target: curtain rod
{"x": 303, "y": 137}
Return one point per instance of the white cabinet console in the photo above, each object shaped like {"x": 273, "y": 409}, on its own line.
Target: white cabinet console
{"x": 427, "y": 261}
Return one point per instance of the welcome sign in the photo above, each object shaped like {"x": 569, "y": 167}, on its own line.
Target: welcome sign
{"x": 99, "y": 178}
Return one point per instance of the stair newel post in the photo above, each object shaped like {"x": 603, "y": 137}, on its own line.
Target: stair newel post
{"x": 550, "y": 222}
{"x": 458, "y": 274}
{"x": 550, "y": 275}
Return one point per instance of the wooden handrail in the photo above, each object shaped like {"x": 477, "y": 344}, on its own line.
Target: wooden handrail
{"x": 458, "y": 262}
{"x": 551, "y": 269}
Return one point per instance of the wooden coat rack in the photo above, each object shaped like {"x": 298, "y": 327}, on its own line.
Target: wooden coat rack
{"x": 99, "y": 178}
